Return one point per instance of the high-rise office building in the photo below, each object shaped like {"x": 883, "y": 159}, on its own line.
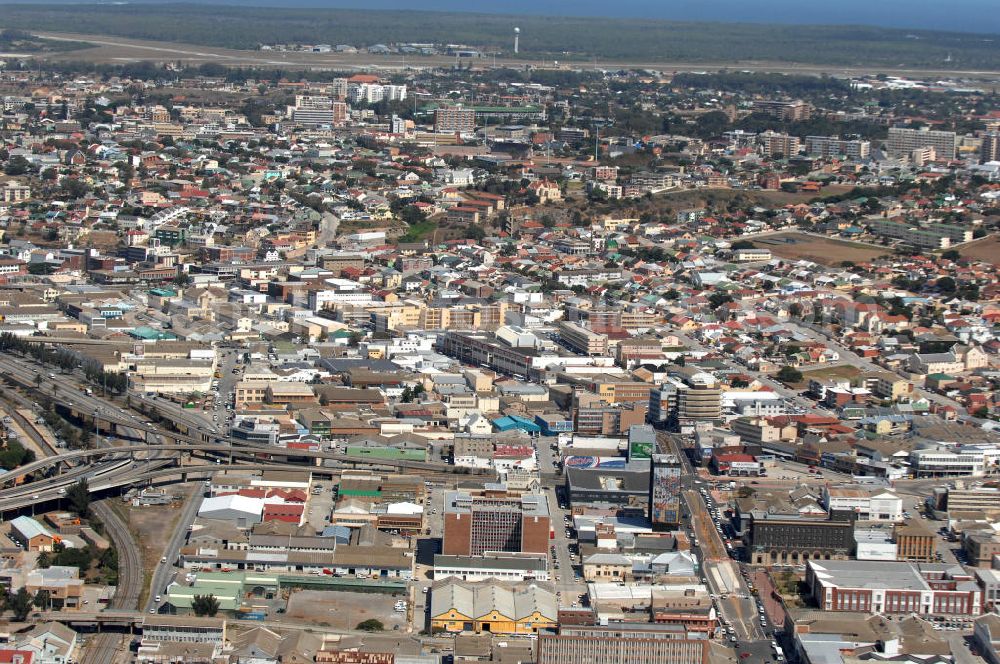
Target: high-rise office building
{"x": 454, "y": 119}
{"x": 903, "y": 142}
{"x": 397, "y": 125}
{"x": 990, "y": 150}
{"x": 495, "y": 520}
{"x": 700, "y": 400}
{"x": 665, "y": 491}
{"x": 784, "y": 110}
{"x": 834, "y": 146}
{"x": 317, "y": 110}
{"x": 775, "y": 144}
{"x": 686, "y": 397}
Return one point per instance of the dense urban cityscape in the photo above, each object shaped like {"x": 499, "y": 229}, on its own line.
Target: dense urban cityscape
{"x": 458, "y": 360}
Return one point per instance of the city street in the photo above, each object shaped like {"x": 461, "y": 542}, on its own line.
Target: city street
{"x": 565, "y": 575}
{"x": 165, "y": 569}
{"x": 737, "y": 608}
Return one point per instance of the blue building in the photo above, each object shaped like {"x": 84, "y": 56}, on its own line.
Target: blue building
{"x": 553, "y": 424}
{"x": 511, "y": 422}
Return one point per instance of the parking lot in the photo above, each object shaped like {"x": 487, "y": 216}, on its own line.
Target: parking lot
{"x": 319, "y": 506}
{"x": 339, "y": 609}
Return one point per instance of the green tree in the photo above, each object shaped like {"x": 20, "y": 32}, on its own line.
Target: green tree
{"x": 789, "y": 374}
{"x": 946, "y": 285}
{"x": 474, "y": 232}
{"x": 17, "y": 165}
{"x": 20, "y": 604}
{"x": 716, "y": 300}
{"x": 407, "y": 395}
{"x": 43, "y": 600}
{"x": 78, "y": 496}
{"x": 205, "y": 605}
{"x": 951, "y": 254}
{"x": 370, "y": 625}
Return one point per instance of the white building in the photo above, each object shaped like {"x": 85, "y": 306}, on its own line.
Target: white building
{"x": 953, "y": 459}
{"x": 753, "y": 404}
{"x": 869, "y": 505}
{"x": 494, "y": 566}
{"x": 875, "y": 545}
{"x": 242, "y": 510}
{"x": 51, "y": 643}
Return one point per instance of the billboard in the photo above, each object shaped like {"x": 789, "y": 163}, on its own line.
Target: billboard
{"x": 641, "y": 441}
{"x": 640, "y": 449}
{"x": 593, "y": 462}
{"x": 665, "y": 490}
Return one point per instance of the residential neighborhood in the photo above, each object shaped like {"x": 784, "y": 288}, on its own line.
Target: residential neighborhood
{"x": 554, "y": 364}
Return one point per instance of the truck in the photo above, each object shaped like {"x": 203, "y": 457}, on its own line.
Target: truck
{"x": 89, "y": 392}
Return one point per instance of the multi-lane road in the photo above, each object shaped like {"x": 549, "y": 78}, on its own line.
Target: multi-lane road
{"x": 124, "y": 465}
{"x": 742, "y": 621}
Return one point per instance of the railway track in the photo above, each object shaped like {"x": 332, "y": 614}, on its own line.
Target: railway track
{"x": 129, "y": 558}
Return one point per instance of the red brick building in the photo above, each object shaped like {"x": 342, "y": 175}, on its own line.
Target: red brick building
{"x": 486, "y": 520}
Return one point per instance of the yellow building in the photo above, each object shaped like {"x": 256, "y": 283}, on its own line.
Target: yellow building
{"x": 889, "y": 386}
{"x": 458, "y": 606}
{"x": 398, "y": 316}
{"x": 250, "y": 392}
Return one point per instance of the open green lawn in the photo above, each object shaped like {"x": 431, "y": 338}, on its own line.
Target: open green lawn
{"x": 418, "y": 232}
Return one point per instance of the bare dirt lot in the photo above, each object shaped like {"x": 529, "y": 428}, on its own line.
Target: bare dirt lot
{"x": 825, "y": 251}
{"x": 986, "y": 249}
{"x": 152, "y": 527}
{"x": 339, "y": 609}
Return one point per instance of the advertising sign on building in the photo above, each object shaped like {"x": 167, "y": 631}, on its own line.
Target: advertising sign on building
{"x": 665, "y": 490}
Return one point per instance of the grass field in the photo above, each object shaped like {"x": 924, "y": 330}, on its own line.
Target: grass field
{"x": 719, "y": 197}
{"x": 826, "y": 251}
{"x": 843, "y": 371}
{"x": 986, "y": 249}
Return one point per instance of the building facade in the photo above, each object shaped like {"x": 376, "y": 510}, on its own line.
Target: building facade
{"x": 632, "y": 643}
{"x": 493, "y": 521}
{"x": 892, "y": 588}
{"x": 790, "y": 540}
